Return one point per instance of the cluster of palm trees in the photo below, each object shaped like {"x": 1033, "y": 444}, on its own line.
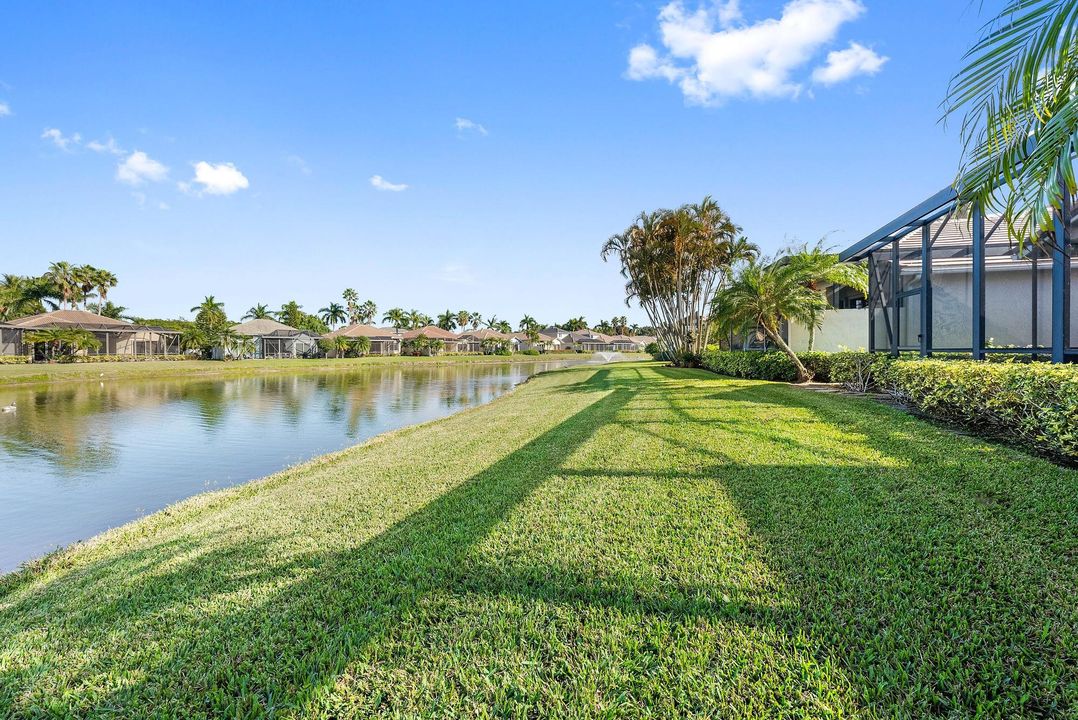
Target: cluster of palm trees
{"x": 62, "y": 343}
{"x": 63, "y": 285}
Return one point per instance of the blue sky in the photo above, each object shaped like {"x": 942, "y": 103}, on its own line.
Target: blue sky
{"x": 266, "y": 152}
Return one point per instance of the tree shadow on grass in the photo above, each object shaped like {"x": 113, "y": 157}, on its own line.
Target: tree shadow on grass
{"x": 281, "y": 652}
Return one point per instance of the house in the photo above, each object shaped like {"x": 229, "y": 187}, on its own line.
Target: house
{"x": 949, "y": 279}
{"x": 384, "y": 341}
{"x": 473, "y": 340}
{"x": 640, "y": 342}
{"x": 274, "y": 339}
{"x": 116, "y": 337}
{"x": 544, "y": 343}
{"x": 432, "y": 332}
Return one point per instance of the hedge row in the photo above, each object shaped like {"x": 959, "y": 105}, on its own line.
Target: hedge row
{"x": 1031, "y": 404}
{"x": 14, "y": 359}
{"x": 123, "y": 358}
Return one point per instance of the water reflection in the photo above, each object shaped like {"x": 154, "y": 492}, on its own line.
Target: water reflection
{"x": 76, "y": 459}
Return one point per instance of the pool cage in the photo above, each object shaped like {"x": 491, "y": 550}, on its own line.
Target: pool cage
{"x": 944, "y": 278}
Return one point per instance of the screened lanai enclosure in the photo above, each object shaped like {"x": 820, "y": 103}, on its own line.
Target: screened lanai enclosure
{"x": 944, "y": 278}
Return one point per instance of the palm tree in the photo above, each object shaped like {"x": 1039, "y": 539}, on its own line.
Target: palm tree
{"x": 397, "y": 317}
{"x": 463, "y": 317}
{"x": 526, "y": 322}
{"x": 291, "y": 313}
{"x": 258, "y": 312}
{"x": 21, "y": 296}
{"x": 63, "y": 341}
{"x": 103, "y": 282}
{"x": 447, "y": 320}
{"x": 332, "y": 314}
{"x": 475, "y": 320}
{"x": 62, "y": 277}
{"x": 577, "y": 323}
{"x": 1018, "y": 91}
{"x": 492, "y": 321}
{"x": 821, "y": 267}
{"x": 367, "y": 312}
{"x": 765, "y": 294}
{"x": 209, "y": 307}
{"x": 362, "y": 345}
{"x": 417, "y": 319}
{"x": 109, "y": 309}
{"x": 341, "y": 345}
{"x": 228, "y": 339}
{"x": 245, "y": 346}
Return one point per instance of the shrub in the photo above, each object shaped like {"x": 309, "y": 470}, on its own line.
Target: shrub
{"x": 529, "y": 352}
{"x": 1035, "y": 404}
{"x": 14, "y": 359}
{"x": 765, "y": 365}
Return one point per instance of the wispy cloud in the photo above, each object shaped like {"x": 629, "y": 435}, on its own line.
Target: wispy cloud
{"x": 464, "y": 125}
{"x": 712, "y": 54}
{"x": 844, "y": 64}
{"x": 380, "y": 183}
{"x": 64, "y": 142}
{"x": 215, "y": 179}
{"x": 456, "y": 274}
{"x": 5, "y": 109}
{"x": 109, "y": 146}
{"x": 138, "y": 168}
{"x": 299, "y": 163}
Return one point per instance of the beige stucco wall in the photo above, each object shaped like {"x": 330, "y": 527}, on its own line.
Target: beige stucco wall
{"x": 841, "y": 329}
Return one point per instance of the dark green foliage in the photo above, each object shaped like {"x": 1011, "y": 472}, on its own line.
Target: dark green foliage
{"x": 766, "y": 365}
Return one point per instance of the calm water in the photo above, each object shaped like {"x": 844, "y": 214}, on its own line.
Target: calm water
{"x": 79, "y": 458}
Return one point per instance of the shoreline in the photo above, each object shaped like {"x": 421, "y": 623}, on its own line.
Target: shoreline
{"x": 36, "y": 374}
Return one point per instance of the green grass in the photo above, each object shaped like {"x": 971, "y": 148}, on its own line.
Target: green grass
{"x": 44, "y": 373}
{"x": 626, "y": 541}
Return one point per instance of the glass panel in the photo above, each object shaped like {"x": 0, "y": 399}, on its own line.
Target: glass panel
{"x": 952, "y": 286}
{"x": 909, "y": 260}
{"x": 909, "y": 322}
{"x": 1008, "y": 292}
{"x": 879, "y": 295}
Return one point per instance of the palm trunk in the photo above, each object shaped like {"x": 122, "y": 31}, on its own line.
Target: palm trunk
{"x": 803, "y": 373}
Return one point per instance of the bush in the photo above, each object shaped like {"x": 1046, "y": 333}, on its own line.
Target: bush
{"x": 14, "y": 359}
{"x": 89, "y": 359}
{"x": 653, "y": 349}
{"x": 529, "y": 352}
{"x": 765, "y": 365}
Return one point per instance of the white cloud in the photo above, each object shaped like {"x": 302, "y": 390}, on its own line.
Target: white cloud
{"x": 219, "y": 179}
{"x": 381, "y": 183}
{"x": 5, "y": 109}
{"x": 729, "y": 12}
{"x": 162, "y": 206}
{"x": 464, "y": 125}
{"x": 59, "y": 139}
{"x": 456, "y": 274}
{"x": 138, "y": 168}
{"x": 713, "y": 55}
{"x": 845, "y": 64}
{"x": 109, "y": 146}
{"x": 299, "y": 163}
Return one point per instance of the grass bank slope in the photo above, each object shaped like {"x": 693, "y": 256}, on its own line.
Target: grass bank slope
{"x": 44, "y": 373}
{"x": 622, "y": 541}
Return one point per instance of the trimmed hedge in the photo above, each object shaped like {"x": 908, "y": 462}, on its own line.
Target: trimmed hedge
{"x": 14, "y": 359}
{"x": 81, "y": 359}
{"x": 1031, "y": 404}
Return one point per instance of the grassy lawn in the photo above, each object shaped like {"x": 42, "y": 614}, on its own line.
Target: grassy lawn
{"x": 622, "y": 541}
{"x": 41, "y": 373}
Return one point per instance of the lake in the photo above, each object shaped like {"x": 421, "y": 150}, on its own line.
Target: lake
{"x": 79, "y": 458}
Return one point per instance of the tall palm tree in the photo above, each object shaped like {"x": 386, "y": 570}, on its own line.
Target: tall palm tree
{"x": 62, "y": 276}
{"x": 103, "y": 282}
{"x": 417, "y": 319}
{"x": 526, "y": 322}
{"x": 333, "y": 314}
{"x": 1019, "y": 94}
{"x": 397, "y": 317}
{"x": 367, "y": 312}
{"x": 475, "y": 320}
{"x": 447, "y": 320}
{"x": 492, "y": 321}
{"x": 258, "y": 312}
{"x": 351, "y": 304}
{"x": 821, "y": 268}
{"x": 463, "y": 318}
{"x": 85, "y": 277}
